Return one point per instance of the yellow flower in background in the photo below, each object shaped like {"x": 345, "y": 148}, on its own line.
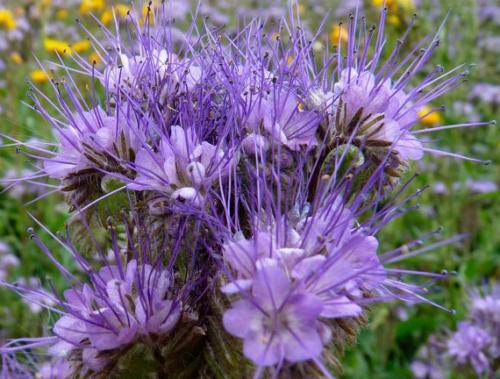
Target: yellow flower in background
{"x": 406, "y": 4}
{"x": 62, "y": 14}
{"x": 80, "y": 46}
{"x": 39, "y": 76}
{"x": 148, "y": 10}
{"x": 338, "y": 31}
{"x": 16, "y": 57}
{"x": 379, "y": 3}
{"x": 45, "y": 3}
{"x": 394, "y": 5}
{"x": 393, "y": 20}
{"x": 120, "y": 10}
{"x": 91, "y": 6}
{"x": 397, "y": 9}
{"x": 7, "y": 19}
{"x": 62, "y": 47}
{"x": 55, "y": 45}
{"x": 94, "y": 58}
{"x": 429, "y": 119}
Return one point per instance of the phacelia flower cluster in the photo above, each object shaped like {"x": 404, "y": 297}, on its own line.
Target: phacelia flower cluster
{"x": 293, "y": 280}
{"x": 243, "y": 183}
{"x": 474, "y": 345}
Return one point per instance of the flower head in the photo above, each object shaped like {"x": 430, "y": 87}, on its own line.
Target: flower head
{"x": 278, "y": 323}
{"x": 281, "y": 119}
{"x": 274, "y": 174}
{"x": 382, "y": 111}
{"x": 119, "y": 306}
{"x": 93, "y": 140}
{"x": 124, "y": 303}
{"x": 467, "y": 345}
{"x": 183, "y": 167}
{"x": 485, "y": 312}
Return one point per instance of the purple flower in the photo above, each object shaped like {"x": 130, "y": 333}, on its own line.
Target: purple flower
{"x": 184, "y": 166}
{"x": 481, "y": 186}
{"x": 487, "y": 306}
{"x": 425, "y": 370}
{"x": 278, "y": 323}
{"x": 31, "y": 368}
{"x": 133, "y": 74}
{"x": 322, "y": 262}
{"x": 297, "y": 246}
{"x": 90, "y": 140}
{"x": 467, "y": 346}
{"x": 282, "y": 120}
{"x": 284, "y": 169}
{"x": 10, "y": 368}
{"x": 371, "y": 102}
{"x": 485, "y": 312}
{"x": 57, "y": 369}
{"x": 430, "y": 362}
{"x": 387, "y": 112}
{"x": 486, "y": 93}
{"x": 121, "y": 307}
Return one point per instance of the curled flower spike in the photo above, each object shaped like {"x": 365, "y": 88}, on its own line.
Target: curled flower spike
{"x": 120, "y": 306}
{"x": 381, "y": 116}
{"x": 318, "y": 262}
